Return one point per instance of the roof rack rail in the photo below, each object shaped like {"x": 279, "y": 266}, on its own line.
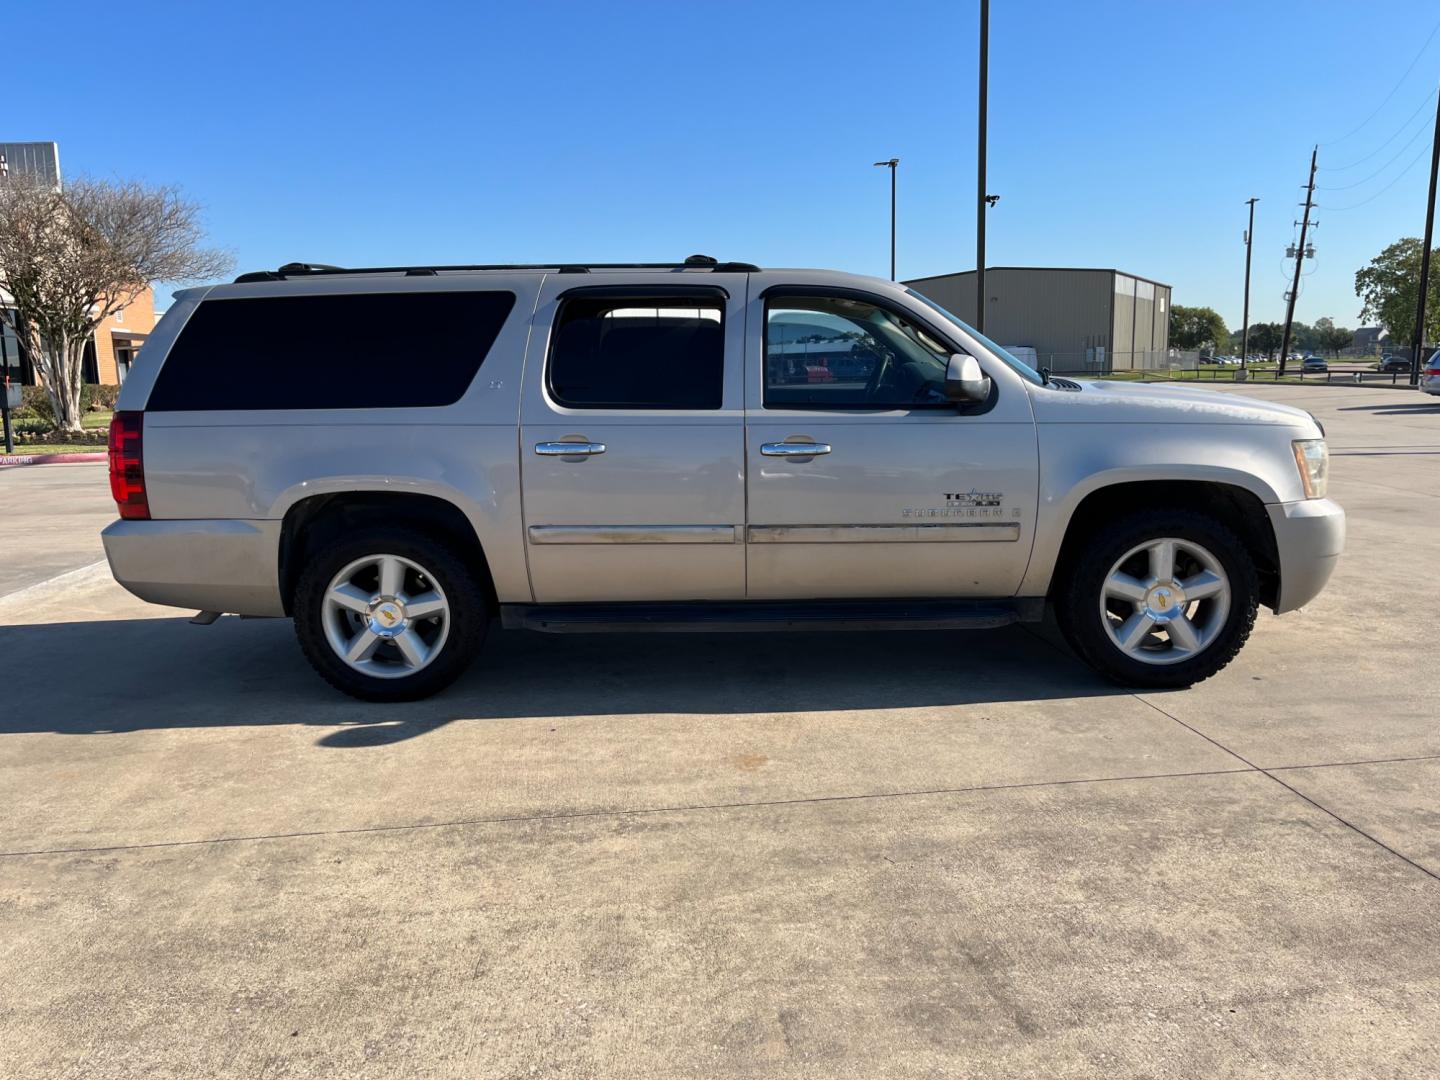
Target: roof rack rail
{"x": 299, "y": 269}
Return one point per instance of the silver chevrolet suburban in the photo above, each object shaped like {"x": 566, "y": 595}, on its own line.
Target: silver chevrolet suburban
{"x": 393, "y": 457}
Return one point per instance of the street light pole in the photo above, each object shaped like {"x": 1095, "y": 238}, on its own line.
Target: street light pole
{"x": 980, "y": 194}
{"x": 1245, "y": 319}
{"x": 891, "y": 165}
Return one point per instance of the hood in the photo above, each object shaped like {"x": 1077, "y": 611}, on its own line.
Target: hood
{"x": 1107, "y": 402}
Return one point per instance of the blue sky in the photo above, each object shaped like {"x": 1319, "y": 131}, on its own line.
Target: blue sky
{"x": 1122, "y": 134}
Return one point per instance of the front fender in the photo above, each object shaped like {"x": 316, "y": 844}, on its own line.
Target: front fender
{"x": 1077, "y": 460}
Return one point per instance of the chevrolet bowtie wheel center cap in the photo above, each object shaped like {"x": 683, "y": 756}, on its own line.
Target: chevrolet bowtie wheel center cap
{"x": 1165, "y": 600}
{"x": 387, "y": 618}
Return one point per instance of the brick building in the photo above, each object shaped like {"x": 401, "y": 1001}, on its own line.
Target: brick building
{"x": 109, "y": 355}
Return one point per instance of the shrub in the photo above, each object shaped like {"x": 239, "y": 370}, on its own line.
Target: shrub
{"x": 31, "y": 434}
{"x": 35, "y": 402}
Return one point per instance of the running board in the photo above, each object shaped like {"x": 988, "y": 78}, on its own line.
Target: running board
{"x": 722, "y": 616}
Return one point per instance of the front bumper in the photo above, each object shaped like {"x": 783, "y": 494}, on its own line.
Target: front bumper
{"x": 209, "y": 565}
{"x": 1310, "y": 535}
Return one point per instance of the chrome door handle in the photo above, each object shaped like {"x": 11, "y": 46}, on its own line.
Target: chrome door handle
{"x": 569, "y": 449}
{"x": 794, "y": 449}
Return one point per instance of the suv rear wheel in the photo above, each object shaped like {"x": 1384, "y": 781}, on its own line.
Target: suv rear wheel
{"x": 389, "y": 614}
{"x": 1159, "y": 599}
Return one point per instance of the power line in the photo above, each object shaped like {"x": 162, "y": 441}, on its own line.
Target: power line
{"x": 1398, "y": 154}
{"x": 1398, "y": 177}
{"x": 1361, "y": 161}
{"x": 1393, "y": 89}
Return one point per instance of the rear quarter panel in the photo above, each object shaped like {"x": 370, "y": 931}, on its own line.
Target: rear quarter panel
{"x": 256, "y": 465}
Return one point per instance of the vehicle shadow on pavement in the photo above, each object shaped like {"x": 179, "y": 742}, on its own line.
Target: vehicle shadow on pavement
{"x": 155, "y": 674}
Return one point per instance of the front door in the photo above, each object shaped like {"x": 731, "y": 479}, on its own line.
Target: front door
{"x": 864, "y": 481}
{"x": 631, "y": 440}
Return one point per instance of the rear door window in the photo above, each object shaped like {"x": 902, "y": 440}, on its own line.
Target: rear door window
{"x": 639, "y": 352}
{"x": 356, "y": 351}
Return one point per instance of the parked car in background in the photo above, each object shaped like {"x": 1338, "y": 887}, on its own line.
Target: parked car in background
{"x": 1313, "y": 365}
{"x": 1394, "y": 363}
{"x": 1430, "y": 374}
{"x": 659, "y": 448}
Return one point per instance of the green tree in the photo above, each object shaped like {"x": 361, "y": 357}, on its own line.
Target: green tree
{"x": 71, "y": 258}
{"x": 1331, "y": 338}
{"x": 1303, "y": 337}
{"x": 1390, "y": 286}
{"x": 1196, "y": 327}
{"x": 1266, "y": 337}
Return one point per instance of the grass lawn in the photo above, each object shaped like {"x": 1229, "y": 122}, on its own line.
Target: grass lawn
{"x": 92, "y": 420}
{"x": 1262, "y": 373}
{"x": 1203, "y": 375}
{"x": 36, "y": 449}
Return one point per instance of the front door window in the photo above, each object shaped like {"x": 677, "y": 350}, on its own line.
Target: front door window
{"x": 834, "y": 352}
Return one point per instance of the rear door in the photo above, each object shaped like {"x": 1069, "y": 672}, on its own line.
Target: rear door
{"x": 631, "y": 439}
{"x": 864, "y": 481}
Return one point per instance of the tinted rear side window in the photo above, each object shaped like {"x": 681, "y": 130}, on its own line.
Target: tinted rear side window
{"x": 641, "y": 352}
{"x": 358, "y": 351}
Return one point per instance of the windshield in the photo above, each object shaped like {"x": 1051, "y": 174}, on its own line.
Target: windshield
{"x": 1020, "y": 366}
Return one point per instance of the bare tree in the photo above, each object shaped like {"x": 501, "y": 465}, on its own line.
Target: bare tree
{"x": 72, "y": 258}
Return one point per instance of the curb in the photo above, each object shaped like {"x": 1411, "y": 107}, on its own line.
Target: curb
{"x": 1206, "y": 384}
{"x": 9, "y": 460}
{"x": 1375, "y": 384}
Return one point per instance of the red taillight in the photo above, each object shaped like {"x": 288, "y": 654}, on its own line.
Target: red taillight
{"x": 1432, "y": 371}
{"x": 127, "y": 465}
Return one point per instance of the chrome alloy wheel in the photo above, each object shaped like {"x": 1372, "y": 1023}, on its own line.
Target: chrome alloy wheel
{"x": 385, "y": 616}
{"x": 1165, "y": 601}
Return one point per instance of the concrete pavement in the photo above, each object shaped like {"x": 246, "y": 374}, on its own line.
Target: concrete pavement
{"x": 50, "y": 517}
{"x": 772, "y": 855}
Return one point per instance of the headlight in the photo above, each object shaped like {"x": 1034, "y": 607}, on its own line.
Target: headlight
{"x": 1312, "y": 458}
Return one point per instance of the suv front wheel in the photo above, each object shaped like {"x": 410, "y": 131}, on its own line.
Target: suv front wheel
{"x": 389, "y": 614}
{"x": 1160, "y": 599}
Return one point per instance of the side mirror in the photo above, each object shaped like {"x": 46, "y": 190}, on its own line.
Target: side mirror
{"x": 964, "y": 381}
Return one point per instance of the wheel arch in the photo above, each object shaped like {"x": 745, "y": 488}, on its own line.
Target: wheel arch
{"x": 1239, "y": 507}
{"x": 310, "y": 523}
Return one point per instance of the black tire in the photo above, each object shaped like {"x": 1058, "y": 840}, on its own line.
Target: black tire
{"x": 1077, "y": 597}
{"x": 469, "y": 613}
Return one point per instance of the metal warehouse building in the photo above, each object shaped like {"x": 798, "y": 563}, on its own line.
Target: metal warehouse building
{"x": 1074, "y": 319}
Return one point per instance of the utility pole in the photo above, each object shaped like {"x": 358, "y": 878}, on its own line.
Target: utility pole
{"x": 1425, "y": 254}
{"x": 1299, "y": 261}
{"x": 980, "y": 181}
{"x": 1245, "y": 319}
{"x": 891, "y": 165}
